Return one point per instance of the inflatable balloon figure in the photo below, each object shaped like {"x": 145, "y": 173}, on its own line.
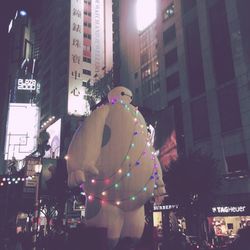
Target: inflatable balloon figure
{"x": 112, "y": 156}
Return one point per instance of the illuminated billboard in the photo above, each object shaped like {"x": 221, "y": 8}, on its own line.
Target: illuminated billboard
{"x": 22, "y": 130}
{"x": 54, "y": 131}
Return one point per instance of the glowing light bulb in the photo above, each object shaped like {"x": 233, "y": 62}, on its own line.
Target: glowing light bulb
{"x": 9, "y": 182}
{"x": 132, "y": 145}
{"x": 145, "y": 189}
{"x": 120, "y": 171}
{"x": 1, "y": 184}
{"x": 128, "y": 174}
{"x": 90, "y": 197}
{"x": 93, "y": 181}
{"x": 104, "y": 193}
{"x": 118, "y": 203}
{"x": 107, "y": 181}
{"x": 4, "y": 179}
{"x": 66, "y": 157}
{"x": 116, "y": 185}
{"x": 133, "y": 198}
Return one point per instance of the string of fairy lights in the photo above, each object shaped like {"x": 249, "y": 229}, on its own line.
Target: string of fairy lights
{"x": 14, "y": 180}
{"x": 110, "y": 185}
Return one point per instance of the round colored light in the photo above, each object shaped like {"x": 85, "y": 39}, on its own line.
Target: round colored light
{"x": 107, "y": 181}
{"x": 90, "y": 197}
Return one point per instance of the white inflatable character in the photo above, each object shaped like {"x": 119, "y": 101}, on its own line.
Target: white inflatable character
{"x": 112, "y": 156}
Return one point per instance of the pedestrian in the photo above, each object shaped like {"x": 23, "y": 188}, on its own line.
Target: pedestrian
{"x": 242, "y": 241}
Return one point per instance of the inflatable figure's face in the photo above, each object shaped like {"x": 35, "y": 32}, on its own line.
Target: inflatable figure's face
{"x": 120, "y": 93}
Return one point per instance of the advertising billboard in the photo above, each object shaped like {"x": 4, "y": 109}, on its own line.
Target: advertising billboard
{"x": 167, "y": 132}
{"x": 163, "y": 132}
{"x": 22, "y": 130}
{"x": 54, "y": 132}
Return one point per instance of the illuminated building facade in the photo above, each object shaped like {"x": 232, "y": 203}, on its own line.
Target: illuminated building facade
{"x": 72, "y": 38}
{"x": 202, "y": 66}
{"x": 24, "y": 91}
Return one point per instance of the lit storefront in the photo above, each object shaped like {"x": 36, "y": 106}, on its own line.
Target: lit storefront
{"x": 165, "y": 219}
{"x": 226, "y": 220}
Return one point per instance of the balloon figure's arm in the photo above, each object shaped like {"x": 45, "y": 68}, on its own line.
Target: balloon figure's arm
{"x": 85, "y": 147}
{"x": 160, "y": 187}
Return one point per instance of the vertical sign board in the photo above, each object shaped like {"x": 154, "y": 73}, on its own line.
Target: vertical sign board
{"x": 31, "y": 181}
{"x": 76, "y": 102}
{"x": 97, "y": 51}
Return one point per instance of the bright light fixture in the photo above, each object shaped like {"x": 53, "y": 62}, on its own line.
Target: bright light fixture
{"x": 23, "y": 12}
{"x": 145, "y": 13}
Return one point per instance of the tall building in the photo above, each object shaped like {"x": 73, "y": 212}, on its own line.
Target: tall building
{"x": 75, "y": 41}
{"x": 194, "y": 57}
{"x": 23, "y": 92}
{"x": 55, "y": 55}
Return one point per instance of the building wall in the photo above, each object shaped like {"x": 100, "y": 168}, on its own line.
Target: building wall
{"x": 203, "y": 57}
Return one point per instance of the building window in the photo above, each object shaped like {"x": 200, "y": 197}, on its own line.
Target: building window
{"x": 221, "y": 45}
{"x": 86, "y": 48}
{"x": 169, "y": 35}
{"x": 168, "y": 12}
{"x": 187, "y": 5}
{"x": 229, "y": 108}
{"x": 173, "y": 81}
{"x": 171, "y": 57}
{"x": 237, "y": 163}
{"x": 86, "y": 59}
{"x": 194, "y": 60}
{"x": 86, "y": 24}
{"x": 144, "y": 57}
{"x": 86, "y": 72}
{"x": 28, "y": 49}
{"x": 88, "y": 36}
{"x": 200, "y": 122}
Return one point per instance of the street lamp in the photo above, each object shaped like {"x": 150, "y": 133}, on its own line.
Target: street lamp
{"x": 38, "y": 169}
